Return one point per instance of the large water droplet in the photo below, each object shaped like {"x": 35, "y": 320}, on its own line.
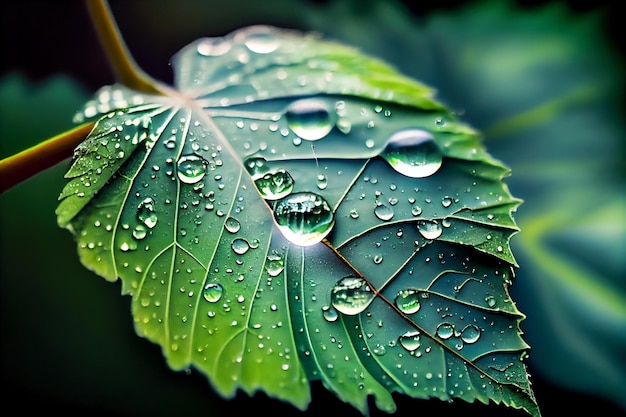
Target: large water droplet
{"x": 146, "y": 214}
{"x": 430, "y": 229}
{"x": 274, "y": 265}
{"x": 310, "y": 119}
{"x": 191, "y": 168}
{"x": 274, "y": 186}
{"x": 351, "y": 295}
{"x": 304, "y": 218}
{"x": 408, "y": 301}
{"x": 413, "y": 152}
{"x": 410, "y": 340}
{"x": 212, "y": 292}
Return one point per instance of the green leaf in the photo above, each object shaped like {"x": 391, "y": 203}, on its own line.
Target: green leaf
{"x": 299, "y": 211}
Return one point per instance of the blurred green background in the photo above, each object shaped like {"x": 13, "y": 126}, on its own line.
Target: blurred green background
{"x": 543, "y": 79}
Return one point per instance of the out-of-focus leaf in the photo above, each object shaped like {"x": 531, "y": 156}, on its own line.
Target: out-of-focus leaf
{"x": 300, "y": 211}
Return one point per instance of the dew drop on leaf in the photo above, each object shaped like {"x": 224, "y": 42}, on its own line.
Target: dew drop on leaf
{"x": 408, "y": 301}
{"x": 140, "y": 232}
{"x": 410, "y": 340}
{"x": 232, "y": 225}
{"x": 310, "y": 119}
{"x": 445, "y": 330}
{"x": 260, "y": 40}
{"x": 274, "y": 265}
{"x": 351, "y": 295}
{"x": 383, "y": 212}
{"x": 430, "y": 229}
{"x": 304, "y": 218}
{"x": 413, "y": 152}
{"x": 240, "y": 246}
{"x": 470, "y": 334}
{"x": 274, "y": 186}
{"x": 330, "y": 314}
{"x": 146, "y": 214}
{"x": 191, "y": 168}
{"x": 256, "y": 166}
{"x": 212, "y": 292}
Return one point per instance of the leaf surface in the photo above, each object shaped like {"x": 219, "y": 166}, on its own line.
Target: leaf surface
{"x": 297, "y": 211}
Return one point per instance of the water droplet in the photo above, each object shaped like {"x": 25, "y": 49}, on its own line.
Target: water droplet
{"x": 383, "y": 212}
{"x": 354, "y": 214}
{"x": 322, "y": 181}
{"x": 212, "y": 292}
{"x": 213, "y": 47}
{"x": 379, "y": 349}
{"x": 310, "y": 119}
{"x": 413, "y": 152}
{"x": 408, "y": 301}
{"x": 140, "y": 232}
{"x": 416, "y": 210}
{"x": 232, "y": 225}
{"x": 274, "y": 186}
{"x": 256, "y": 167}
{"x": 491, "y": 301}
{"x": 410, "y": 340}
{"x": 146, "y": 214}
{"x": 261, "y": 41}
{"x": 191, "y": 168}
{"x": 445, "y": 330}
{"x": 430, "y": 229}
{"x": 330, "y": 314}
{"x": 351, "y": 295}
{"x": 240, "y": 246}
{"x": 470, "y": 334}
{"x": 446, "y": 202}
{"x": 304, "y": 218}
{"x": 274, "y": 265}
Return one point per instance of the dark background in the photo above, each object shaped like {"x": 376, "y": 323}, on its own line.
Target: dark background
{"x": 41, "y": 39}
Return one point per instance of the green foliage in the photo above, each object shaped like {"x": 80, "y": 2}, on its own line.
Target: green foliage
{"x": 299, "y": 211}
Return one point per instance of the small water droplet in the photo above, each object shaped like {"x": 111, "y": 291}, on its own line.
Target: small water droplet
{"x": 351, "y": 295}
{"x": 146, "y": 214}
{"x": 140, "y": 232}
{"x": 410, "y": 340}
{"x": 310, "y": 119}
{"x": 413, "y": 152}
{"x": 383, "y": 212}
{"x": 445, "y": 330}
{"x": 491, "y": 301}
{"x": 274, "y": 186}
{"x": 470, "y": 334}
{"x": 408, "y": 301}
{"x": 256, "y": 167}
{"x": 354, "y": 214}
{"x": 430, "y": 229}
{"x": 212, "y": 292}
{"x": 330, "y": 314}
{"x": 213, "y": 47}
{"x": 232, "y": 225}
{"x": 322, "y": 181}
{"x": 261, "y": 40}
{"x": 304, "y": 218}
{"x": 240, "y": 246}
{"x": 191, "y": 168}
{"x": 446, "y": 202}
{"x": 274, "y": 265}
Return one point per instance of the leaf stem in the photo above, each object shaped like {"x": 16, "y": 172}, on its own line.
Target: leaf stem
{"x": 124, "y": 67}
{"x": 21, "y": 166}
